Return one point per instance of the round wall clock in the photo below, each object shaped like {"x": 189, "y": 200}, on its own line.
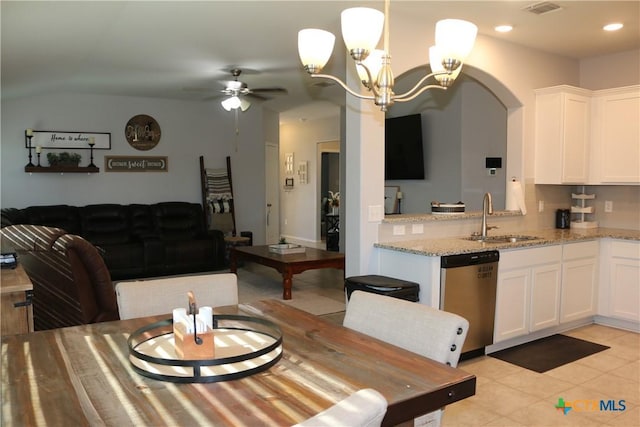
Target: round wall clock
{"x": 142, "y": 132}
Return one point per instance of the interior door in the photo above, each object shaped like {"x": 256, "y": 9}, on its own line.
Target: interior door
{"x": 272, "y": 219}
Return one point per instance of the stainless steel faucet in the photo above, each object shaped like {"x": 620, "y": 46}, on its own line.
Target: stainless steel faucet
{"x": 487, "y": 209}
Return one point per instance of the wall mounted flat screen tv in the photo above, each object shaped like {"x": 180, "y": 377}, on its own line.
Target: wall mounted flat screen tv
{"x": 404, "y": 158}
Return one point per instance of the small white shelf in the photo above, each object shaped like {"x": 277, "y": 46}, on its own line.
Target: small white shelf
{"x": 581, "y": 210}
{"x": 583, "y": 196}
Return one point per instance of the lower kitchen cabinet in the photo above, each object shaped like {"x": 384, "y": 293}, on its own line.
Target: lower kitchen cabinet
{"x": 620, "y": 280}
{"x": 579, "y": 280}
{"x": 528, "y": 294}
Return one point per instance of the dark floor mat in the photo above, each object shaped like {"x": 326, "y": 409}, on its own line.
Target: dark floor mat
{"x": 548, "y": 353}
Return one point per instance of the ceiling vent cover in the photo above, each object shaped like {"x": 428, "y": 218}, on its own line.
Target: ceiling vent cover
{"x": 542, "y": 7}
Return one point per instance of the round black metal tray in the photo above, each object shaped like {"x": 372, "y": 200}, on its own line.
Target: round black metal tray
{"x": 244, "y": 346}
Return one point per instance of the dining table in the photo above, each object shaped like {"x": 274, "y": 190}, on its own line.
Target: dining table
{"x": 83, "y": 375}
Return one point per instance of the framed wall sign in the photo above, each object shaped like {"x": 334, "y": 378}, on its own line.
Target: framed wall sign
{"x": 142, "y": 132}
{"x": 67, "y": 140}
{"x": 136, "y": 164}
{"x": 288, "y": 183}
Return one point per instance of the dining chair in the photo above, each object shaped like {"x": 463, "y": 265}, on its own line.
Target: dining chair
{"x": 141, "y": 298}
{"x": 364, "y": 408}
{"x": 430, "y": 332}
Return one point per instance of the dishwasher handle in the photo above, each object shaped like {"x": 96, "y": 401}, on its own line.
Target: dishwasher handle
{"x": 462, "y": 260}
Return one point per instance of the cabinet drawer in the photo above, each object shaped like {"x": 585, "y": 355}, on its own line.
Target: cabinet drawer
{"x": 526, "y": 257}
{"x": 580, "y": 250}
{"x": 624, "y": 249}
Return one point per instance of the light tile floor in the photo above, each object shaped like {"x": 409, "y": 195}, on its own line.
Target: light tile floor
{"x": 507, "y": 395}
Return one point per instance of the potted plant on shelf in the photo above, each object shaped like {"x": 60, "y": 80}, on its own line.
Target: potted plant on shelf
{"x": 64, "y": 159}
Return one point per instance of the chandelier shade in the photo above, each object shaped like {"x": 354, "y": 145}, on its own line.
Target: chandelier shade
{"x": 373, "y": 62}
{"x": 441, "y": 75}
{"x": 315, "y": 48}
{"x": 361, "y": 31}
{"x": 455, "y": 38}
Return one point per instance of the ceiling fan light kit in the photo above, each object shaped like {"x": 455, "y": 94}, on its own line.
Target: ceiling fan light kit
{"x": 361, "y": 30}
{"x": 235, "y": 102}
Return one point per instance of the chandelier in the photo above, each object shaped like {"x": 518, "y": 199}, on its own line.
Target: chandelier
{"x": 361, "y": 30}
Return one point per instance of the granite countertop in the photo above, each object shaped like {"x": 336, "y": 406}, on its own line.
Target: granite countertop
{"x": 422, "y": 217}
{"x": 460, "y": 244}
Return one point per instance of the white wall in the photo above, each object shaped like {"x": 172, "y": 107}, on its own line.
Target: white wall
{"x": 607, "y": 71}
{"x": 189, "y": 129}
{"x": 300, "y": 207}
{"x": 461, "y": 127}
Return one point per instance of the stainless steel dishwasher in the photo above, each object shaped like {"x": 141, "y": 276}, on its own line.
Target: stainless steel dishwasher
{"x": 468, "y": 285}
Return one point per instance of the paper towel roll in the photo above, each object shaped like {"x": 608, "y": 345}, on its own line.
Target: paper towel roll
{"x": 515, "y": 197}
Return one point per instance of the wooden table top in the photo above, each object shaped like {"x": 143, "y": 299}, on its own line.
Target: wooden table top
{"x": 81, "y": 376}
{"x": 14, "y": 280}
{"x": 310, "y": 254}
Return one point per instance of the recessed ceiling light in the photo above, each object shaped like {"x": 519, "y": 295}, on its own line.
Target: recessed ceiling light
{"x": 503, "y": 28}
{"x": 613, "y": 27}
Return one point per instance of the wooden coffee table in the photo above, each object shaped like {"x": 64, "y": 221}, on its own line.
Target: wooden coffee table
{"x": 288, "y": 264}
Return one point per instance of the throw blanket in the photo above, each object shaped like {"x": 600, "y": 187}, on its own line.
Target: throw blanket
{"x": 218, "y": 185}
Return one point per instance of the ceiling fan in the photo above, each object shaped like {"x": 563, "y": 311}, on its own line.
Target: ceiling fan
{"x": 237, "y": 92}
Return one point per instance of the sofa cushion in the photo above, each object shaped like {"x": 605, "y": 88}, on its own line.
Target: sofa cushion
{"x": 141, "y": 221}
{"x": 176, "y": 221}
{"x": 105, "y": 224}
{"x": 59, "y": 216}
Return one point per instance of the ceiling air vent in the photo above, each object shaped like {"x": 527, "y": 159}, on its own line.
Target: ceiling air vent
{"x": 542, "y": 7}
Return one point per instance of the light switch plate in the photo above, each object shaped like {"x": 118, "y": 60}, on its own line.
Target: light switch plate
{"x": 417, "y": 228}
{"x": 376, "y": 213}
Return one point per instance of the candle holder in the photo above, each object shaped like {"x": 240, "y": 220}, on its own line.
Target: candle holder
{"x": 38, "y": 153}
{"x": 30, "y": 164}
{"x": 91, "y": 144}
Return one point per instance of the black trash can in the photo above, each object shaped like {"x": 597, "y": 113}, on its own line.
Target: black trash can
{"x": 383, "y": 285}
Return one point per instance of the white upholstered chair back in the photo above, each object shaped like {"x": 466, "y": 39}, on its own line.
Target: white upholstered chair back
{"x": 151, "y": 297}
{"x": 364, "y": 408}
{"x": 430, "y": 332}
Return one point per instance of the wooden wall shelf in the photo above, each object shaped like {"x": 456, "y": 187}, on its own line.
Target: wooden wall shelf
{"x": 61, "y": 169}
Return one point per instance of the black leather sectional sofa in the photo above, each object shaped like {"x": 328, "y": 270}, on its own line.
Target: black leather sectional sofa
{"x": 136, "y": 240}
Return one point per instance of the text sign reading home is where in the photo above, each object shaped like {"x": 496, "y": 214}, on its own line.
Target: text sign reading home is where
{"x": 48, "y": 139}
{"x": 135, "y": 164}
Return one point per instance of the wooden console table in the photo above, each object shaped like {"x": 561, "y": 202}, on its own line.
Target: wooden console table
{"x": 16, "y": 309}
{"x": 288, "y": 264}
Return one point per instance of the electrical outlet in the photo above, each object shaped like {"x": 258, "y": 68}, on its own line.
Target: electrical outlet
{"x": 398, "y": 230}
{"x": 608, "y": 206}
{"x": 540, "y": 205}
{"x": 417, "y": 228}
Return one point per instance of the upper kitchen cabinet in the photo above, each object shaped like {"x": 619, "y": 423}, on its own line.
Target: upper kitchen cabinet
{"x": 562, "y": 135}
{"x": 615, "y": 155}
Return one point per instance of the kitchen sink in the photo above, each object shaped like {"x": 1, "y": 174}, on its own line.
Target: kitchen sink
{"x": 510, "y": 238}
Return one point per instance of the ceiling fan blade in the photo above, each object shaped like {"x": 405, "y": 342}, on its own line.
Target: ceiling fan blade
{"x": 256, "y": 96}
{"x": 270, "y": 90}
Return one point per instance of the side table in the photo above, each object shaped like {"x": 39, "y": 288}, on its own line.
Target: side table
{"x": 233, "y": 241}
{"x": 16, "y": 308}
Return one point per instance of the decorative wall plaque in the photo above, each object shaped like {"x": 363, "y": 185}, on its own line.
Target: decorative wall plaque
{"x": 142, "y": 132}
{"x": 136, "y": 164}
